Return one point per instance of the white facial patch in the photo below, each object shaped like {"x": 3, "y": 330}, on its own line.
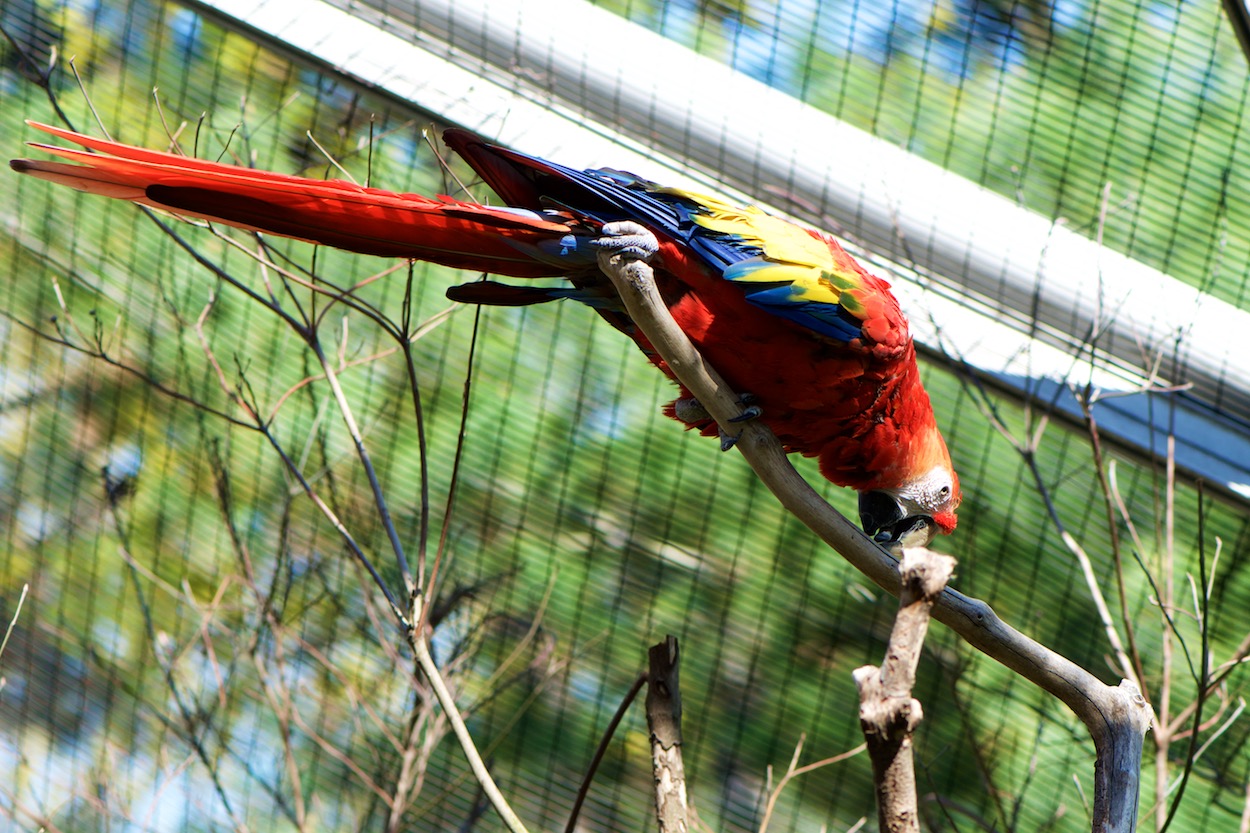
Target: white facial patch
{"x": 928, "y": 493}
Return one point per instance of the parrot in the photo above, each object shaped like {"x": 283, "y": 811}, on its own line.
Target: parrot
{"x": 817, "y": 346}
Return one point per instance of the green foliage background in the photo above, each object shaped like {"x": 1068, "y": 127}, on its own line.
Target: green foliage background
{"x": 138, "y": 682}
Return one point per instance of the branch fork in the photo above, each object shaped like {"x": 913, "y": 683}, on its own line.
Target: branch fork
{"x": 888, "y": 714}
{"x": 1117, "y": 717}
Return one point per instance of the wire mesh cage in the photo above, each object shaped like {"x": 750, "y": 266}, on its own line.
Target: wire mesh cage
{"x": 1054, "y": 189}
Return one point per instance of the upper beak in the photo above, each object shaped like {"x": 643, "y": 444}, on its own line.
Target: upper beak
{"x": 886, "y": 521}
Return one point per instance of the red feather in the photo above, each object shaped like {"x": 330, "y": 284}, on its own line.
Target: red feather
{"x": 856, "y": 401}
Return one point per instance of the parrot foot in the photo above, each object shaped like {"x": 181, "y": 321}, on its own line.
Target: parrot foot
{"x": 690, "y": 411}
{"x": 750, "y": 411}
{"x": 627, "y": 238}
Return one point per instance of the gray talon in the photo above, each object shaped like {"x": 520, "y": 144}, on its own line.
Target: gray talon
{"x": 749, "y": 413}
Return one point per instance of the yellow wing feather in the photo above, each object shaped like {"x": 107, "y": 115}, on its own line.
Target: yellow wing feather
{"x": 790, "y": 253}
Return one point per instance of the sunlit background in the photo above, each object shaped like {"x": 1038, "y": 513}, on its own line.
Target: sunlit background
{"x": 1059, "y": 192}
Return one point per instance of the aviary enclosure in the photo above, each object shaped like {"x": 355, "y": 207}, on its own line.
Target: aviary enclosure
{"x": 1057, "y": 192}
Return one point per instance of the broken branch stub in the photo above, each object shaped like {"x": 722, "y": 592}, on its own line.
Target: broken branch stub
{"x": 888, "y": 714}
{"x": 664, "y": 724}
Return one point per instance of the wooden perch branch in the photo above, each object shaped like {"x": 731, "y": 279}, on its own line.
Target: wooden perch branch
{"x": 888, "y": 714}
{"x": 1117, "y": 717}
{"x": 664, "y": 724}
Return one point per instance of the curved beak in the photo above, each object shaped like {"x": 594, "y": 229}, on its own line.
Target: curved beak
{"x": 886, "y": 521}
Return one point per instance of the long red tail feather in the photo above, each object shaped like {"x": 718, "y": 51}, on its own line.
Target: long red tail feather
{"x": 500, "y": 240}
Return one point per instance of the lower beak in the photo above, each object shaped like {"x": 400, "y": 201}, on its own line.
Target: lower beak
{"x": 887, "y": 522}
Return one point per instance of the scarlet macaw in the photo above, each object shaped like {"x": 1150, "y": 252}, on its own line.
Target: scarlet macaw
{"x": 783, "y": 312}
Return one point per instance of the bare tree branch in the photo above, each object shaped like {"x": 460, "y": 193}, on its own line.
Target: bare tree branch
{"x": 888, "y": 714}
{"x": 1117, "y": 717}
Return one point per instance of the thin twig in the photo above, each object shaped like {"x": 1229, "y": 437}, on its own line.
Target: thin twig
{"x": 338, "y": 525}
{"x": 425, "y": 731}
{"x": 1113, "y": 533}
{"x": 362, "y": 452}
{"x": 1191, "y": 755}
{"x": 583, "y": 789}
{"x": 188, "y": 728}
{"x": 794, "y": 771}
{"x": 421, "y": 651}
{"x": 1244, "y": 827}
{"x": 8, "y": 632}
{"x": 457, "y": 459}
{"x": 1126, "y": 666}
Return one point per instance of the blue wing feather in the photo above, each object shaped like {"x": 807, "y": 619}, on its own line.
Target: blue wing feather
{"x": 832, "y": 320}
{"x": 606, "y": 195}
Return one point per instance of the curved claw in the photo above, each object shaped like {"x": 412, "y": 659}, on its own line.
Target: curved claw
{"x": 627, "y": 238}
{"x": 749, "y": 413}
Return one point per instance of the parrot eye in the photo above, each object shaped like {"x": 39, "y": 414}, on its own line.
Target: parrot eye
{"x": 944, "y": 492}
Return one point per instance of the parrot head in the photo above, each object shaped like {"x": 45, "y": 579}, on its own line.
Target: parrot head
{"x": 910, "y": 514}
